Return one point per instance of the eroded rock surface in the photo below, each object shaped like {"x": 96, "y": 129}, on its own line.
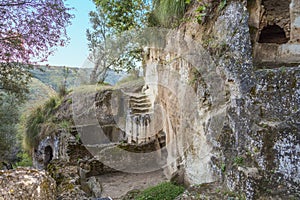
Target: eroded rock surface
{"x": 24, "y": 183}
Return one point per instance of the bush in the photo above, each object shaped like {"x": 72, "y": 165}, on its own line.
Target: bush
{"x": 36, "y": 118}
{"x": 163, "y": 191}
{"x": 25, "y": 160}
{"x": 167, "y": 13}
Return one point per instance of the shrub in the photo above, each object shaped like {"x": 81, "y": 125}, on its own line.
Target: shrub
{"x": 33, "y": 127}
{"x": 24, "y": 160}
{"x": 167, "y": 13}
{"x": 163, "y": 191}
{"x": 238, "y": 161}
{"x": 33, "y": 123}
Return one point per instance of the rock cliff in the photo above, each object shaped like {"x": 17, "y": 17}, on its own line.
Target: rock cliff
{"x": 225, "y": 118}
{"x": 214, "y": 109}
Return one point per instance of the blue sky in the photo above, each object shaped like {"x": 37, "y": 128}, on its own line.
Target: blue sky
{"x": 75, "y": 53}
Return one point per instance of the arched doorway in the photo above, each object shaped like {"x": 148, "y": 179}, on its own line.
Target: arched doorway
{"x": 48, "y": 155}
{"x": 273, "y": 34}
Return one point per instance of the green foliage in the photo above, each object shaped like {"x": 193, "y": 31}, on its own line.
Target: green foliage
{"x": 65, "y": 124}
{"x": 110, "y": 49}
{"x": 62, "y": 90}
{"x": 77, "y": 138}
{"x": 34, "y": 121}
{"x": 14, "y": 79}
{"x": 33, "y": 127}
{"x": 167, "y": 13}
{"x": 24, "y": 159}
{"x": 222, "y": 5}
{"x": 201, "y": 13}
{"x": 163, "y": 191}
{"x": 9, "y": 114}
{"x": 238, "y": 160}
{"x": 124, "y": 15}
{"x": 223, "y": 167}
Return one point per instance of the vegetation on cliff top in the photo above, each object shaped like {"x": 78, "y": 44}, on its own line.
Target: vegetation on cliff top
{"x": 39, "y": 118}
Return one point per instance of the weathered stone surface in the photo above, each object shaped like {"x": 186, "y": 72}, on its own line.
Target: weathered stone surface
{"x": 68, "y": 181}
{"x": 237, "y": 126}
{"x": 25, "y": 183}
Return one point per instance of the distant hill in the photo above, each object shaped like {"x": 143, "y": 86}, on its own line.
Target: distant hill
{"x": 54, "y": 76}
{"x": 39, "y": 92}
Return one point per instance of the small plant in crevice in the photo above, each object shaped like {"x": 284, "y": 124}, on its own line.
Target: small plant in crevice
{"x": 65, "y": 125}
{"x": 223, "y": 167}
{"x": 222, "y": 5}
{"x": 283, "y": 69}
{"x": 239, "y": 161}
{"x": 201, "y": 13}
{"x": 77, "y": 137}
{"x": 195, "y": 75}
{"x": 256, "y": 150}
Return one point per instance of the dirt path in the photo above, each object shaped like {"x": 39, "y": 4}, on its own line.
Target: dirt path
{"x": 118, "y": 184}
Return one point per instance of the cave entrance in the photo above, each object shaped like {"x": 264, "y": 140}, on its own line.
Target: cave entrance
{"x": 48, "y": 155}
{"x": 273, "y": 34}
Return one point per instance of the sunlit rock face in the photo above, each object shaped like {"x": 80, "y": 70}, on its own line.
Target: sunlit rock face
{"x": 195, "y": 89}
{"x": 25, "y": 183}
{"x": 226, "y": 119}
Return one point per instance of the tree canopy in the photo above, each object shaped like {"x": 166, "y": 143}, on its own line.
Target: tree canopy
{"x": 29, "y": 32}
{"x": 124, "y": 15}
{"x": 111, "y": 39}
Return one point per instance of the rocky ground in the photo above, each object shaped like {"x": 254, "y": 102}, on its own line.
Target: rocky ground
{"x": 116, "y": 185}
{"x": 26, "y": 183}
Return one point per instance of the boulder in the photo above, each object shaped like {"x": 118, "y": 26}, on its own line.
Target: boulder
{"x": 26, "y": 183}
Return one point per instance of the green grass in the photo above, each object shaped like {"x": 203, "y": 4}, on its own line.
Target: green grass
{"x": 25, "y": 160}
{"x": 168, "y": 13}
{"x": 38, "y": 116}
{"x": 163, "y": 191}
{"x": 239, "y": 161}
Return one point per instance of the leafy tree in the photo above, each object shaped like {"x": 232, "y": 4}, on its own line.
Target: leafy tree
{"x": 9, "y": 115}
{"x": 124, "y": 15}
{"x": 109, "y": 48}
{"x": 29, "y": 32}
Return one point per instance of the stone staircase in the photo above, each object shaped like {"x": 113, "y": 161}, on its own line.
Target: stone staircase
{"x": 139, "y": 117}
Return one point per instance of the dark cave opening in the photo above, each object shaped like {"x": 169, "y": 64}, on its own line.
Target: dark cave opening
{"x": 273, "y": 34}
{"x": 48, "y": 155}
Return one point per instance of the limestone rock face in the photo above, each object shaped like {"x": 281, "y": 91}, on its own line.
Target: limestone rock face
{"x": 23, "y": 183}
{"x": 226, "y": 119}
